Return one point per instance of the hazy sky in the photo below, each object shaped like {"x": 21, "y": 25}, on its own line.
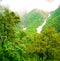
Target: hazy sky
{"x": 21, "y": 5}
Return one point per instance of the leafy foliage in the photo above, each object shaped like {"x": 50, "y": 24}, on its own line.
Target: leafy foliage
{"x": 20, "y": 46}
{"x": 8, "y": 20}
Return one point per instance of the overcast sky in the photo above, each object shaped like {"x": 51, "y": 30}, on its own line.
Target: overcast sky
{"x": 22, "y": 5}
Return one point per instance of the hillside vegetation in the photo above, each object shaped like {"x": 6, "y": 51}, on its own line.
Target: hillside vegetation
{"x": 34, "y": 19}
{"x": 20, "y": 46}
{"x": 54, "y": 20}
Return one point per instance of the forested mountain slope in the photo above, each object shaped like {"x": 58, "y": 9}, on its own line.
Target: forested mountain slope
{"x": 53, "y": 20}
{"x": 34, "y": 19}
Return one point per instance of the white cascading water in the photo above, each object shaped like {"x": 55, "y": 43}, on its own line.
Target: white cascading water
{"x": 24, "y": 28}
{"x": 39, "y": 29}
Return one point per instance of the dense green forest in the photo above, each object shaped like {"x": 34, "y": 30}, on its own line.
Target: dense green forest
{"x": 20, "y": 46}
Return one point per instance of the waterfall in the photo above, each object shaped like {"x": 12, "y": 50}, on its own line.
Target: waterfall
{"x": 24, "y": 28}
{"x": 39, "y": 29}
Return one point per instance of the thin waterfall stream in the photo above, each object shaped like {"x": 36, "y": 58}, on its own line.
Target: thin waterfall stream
{"x": 39, "y": 29}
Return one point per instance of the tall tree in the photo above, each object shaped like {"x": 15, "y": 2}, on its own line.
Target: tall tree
{"x": 8, "y": 20}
